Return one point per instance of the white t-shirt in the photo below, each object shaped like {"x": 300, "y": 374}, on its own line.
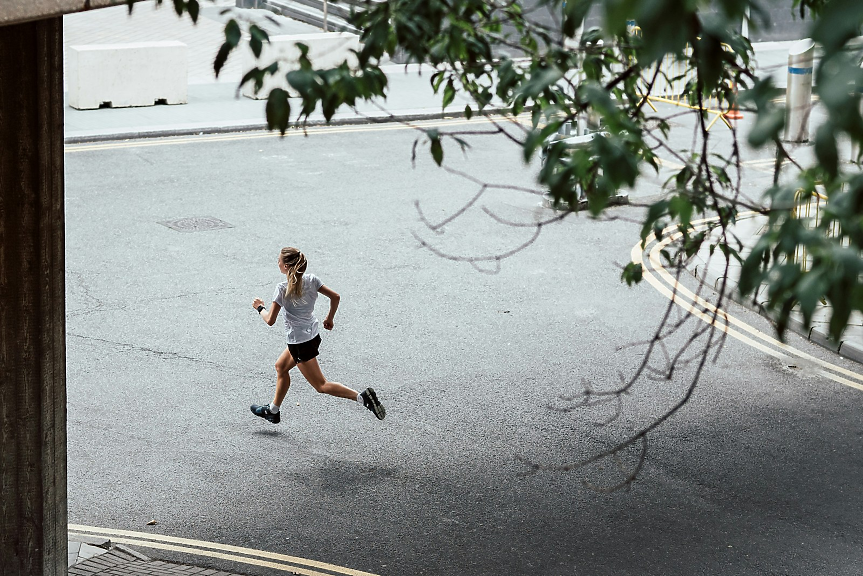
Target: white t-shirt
{"x": 300, "y": 322}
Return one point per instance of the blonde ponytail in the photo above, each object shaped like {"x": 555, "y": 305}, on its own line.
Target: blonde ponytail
{"x": 295, "y": 261}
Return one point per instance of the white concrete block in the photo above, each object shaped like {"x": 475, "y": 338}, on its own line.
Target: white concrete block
{"x": 132, "y": 74}
{"x": 326, "y": 50}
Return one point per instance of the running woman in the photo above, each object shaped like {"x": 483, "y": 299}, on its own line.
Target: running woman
{"x": 297, "y": 296}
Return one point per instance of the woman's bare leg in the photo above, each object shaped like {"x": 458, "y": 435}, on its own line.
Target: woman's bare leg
{"x": 312, "y": 371}
{"x": 283, "y": 377}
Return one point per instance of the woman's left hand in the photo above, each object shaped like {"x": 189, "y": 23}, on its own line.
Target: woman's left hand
{"x": 257, "y": 302}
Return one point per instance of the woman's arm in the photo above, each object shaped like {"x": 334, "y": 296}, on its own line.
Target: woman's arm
{"x": 270, "y": 315}
{"x": 334, "y": 305}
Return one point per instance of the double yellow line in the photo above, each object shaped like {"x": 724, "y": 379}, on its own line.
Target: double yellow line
{"x": 658, "y": 277}
{"x": 282, "y": 562}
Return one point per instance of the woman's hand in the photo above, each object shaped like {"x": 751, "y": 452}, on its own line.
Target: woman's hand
{"x": 328, "y": 323}
{"x": 257, "y": 302}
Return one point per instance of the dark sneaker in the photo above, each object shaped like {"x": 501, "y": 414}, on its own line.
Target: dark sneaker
{"x": 370, "y": 401}
{"x": 264, "y": 412}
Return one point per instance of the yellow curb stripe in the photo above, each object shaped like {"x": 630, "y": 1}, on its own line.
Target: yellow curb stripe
{"x": 719, "y": 325}
{"x": 161, "y": 541}
{"x": 690, "y": 308}
{"x": 660, "y": 269}
{"x": 719, "y": 318}
{"x": 220, "y": 555}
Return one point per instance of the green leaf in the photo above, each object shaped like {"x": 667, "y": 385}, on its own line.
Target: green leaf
{"x": 709, "y": 61}
{"x": 221, "y": 57}
{"x": 574, "y": 12}
{"x": 468, "y": 113}
{"x": 194, "y": 9}
{"x": 257, "y": 39}
{"x": 448, "y": 93}
{"x": 536, "y": 138}
{"x": 539, "y": 82}
{"x": 437, "y": 79}
{"x": 233, "y": 34}
{"x": 839, "y": 22}
{"x": 278, "y": 110}
{"x": 826, "y": 150}
{"x": 767, "y": 126}
{"x": 436, "y": 150}
{"x": 256, "y": 46}
{"x": 254, "y": 74}
{"x": 681, "y": 207}
{"x": 632, "y": 273}
{"x": 303, "y": 81}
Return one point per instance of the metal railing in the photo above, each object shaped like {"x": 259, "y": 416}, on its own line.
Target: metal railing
{"x": 809, "y": 208}
{"x": 669, "y": 86}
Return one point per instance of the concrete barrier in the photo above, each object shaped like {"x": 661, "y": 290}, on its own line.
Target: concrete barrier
{"x": 326, "y": 50}
{"x": 121, "y": 75}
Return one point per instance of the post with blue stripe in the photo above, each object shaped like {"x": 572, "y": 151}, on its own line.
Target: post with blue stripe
{"x": 798, "y": 94}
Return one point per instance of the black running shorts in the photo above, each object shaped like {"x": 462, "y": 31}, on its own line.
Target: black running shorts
{"x": 305, "y": 350}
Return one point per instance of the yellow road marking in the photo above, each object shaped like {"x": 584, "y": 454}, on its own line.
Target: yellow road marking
{"x": 216, "y": 550}
{"x": 311, "y": 130}
{"x": 669, "y": 164}
{"x": 220, "y": 555}
{"x": 720, "y": 319}
{"x": 657, "y": 264}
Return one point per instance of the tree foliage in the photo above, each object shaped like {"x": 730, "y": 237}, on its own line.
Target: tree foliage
{"x": 560, "y": 74}
{"x": 498, "y": 53}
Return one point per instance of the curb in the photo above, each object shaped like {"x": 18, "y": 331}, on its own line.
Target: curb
{"x": 130, "y": 552}
{"x": 844, "y": 349}
{"x": 411, "y": 116}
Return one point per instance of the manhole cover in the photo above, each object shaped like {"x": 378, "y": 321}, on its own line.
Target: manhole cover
{"x": 196, "y": 224}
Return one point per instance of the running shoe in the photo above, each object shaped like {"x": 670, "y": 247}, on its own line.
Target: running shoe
{"x": 264, "y": 412}
{"x": 370, "y": 401}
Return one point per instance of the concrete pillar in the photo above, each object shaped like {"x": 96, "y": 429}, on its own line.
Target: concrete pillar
{"x": 33, "y": 517}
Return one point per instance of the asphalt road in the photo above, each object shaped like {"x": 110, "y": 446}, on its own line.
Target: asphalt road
{"x": 758, "y": 474}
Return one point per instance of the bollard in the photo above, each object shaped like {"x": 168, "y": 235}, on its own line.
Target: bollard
{"x": 798, "y": 94}
{"x": 855, "y": 146}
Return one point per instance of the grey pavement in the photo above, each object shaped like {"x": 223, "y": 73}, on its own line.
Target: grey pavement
{"x": 214, "y": 106}
{"x": 478, "y": 372}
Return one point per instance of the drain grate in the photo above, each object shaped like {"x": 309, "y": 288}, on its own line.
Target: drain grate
{"x": 196, "y": 224}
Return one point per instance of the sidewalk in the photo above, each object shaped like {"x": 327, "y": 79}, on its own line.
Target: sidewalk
{"x": 214, "y": 104}
{"x": 101, "y": 557}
